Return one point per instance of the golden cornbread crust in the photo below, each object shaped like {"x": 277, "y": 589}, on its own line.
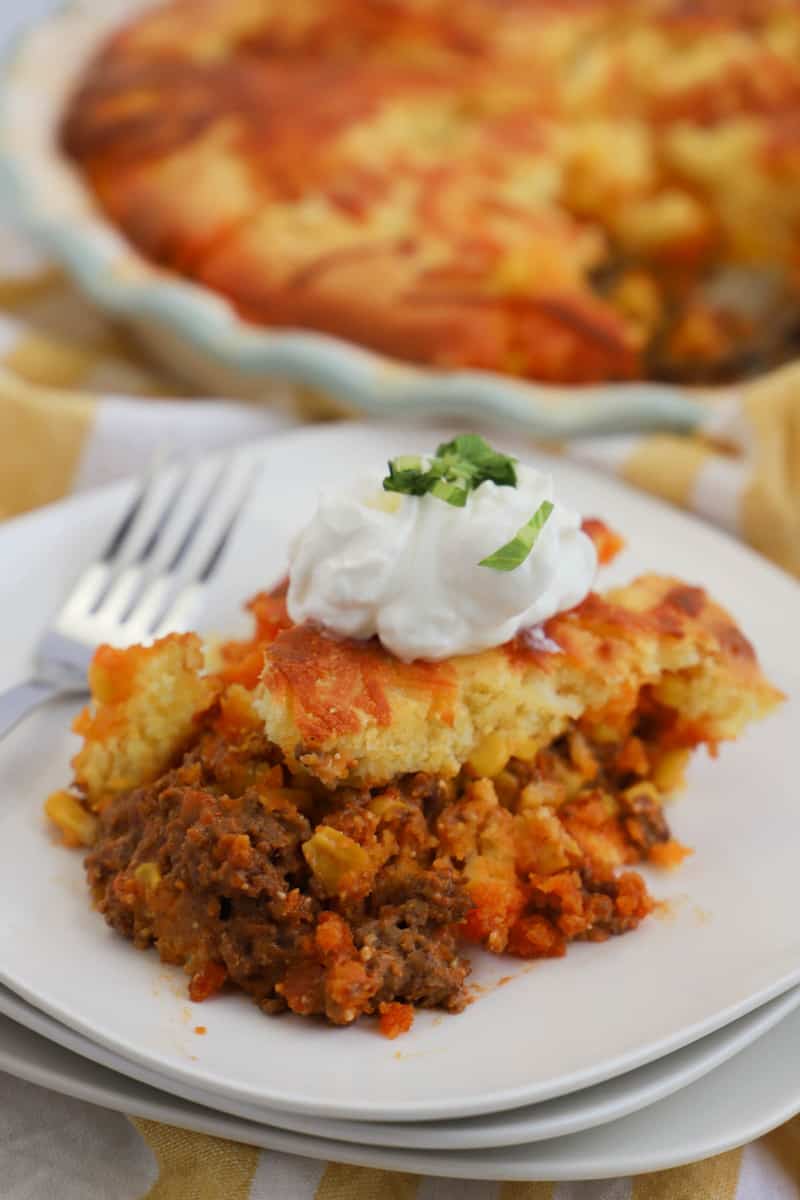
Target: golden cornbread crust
{"x": 146, "y": 704}
{"x": 352, "y": 712}
{"x": 567, "y": 190}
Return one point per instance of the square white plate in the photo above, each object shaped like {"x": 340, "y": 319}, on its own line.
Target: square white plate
{"x": 731, "y": 942}
{"x": 743, "y": 1099}
{"x": 586, "y": 1109}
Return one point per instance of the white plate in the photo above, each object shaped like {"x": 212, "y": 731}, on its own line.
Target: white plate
{"x": 732, "y": 941}
{"x": 586, "y": 1109}
{"x": 751, "y": 1094}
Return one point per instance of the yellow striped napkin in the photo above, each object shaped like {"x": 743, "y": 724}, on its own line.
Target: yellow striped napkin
{"x": 80, "y": 406}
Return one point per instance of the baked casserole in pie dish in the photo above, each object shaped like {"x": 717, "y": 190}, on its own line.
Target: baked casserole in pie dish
{"x": 329, "y": 821}
{"x": 580, "y": 192}
{"x": 551, "y": 190}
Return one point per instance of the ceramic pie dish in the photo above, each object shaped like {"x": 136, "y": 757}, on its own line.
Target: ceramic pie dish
{"x": 201, "y": 333}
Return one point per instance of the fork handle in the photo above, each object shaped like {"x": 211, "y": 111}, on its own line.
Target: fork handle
{"x": 18, "y": 701}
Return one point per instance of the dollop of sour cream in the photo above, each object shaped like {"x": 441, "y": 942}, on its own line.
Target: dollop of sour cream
{"x": 406, "y": 567}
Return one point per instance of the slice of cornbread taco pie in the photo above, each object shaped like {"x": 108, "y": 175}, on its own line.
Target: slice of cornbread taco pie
{"x": 438, "y": 734}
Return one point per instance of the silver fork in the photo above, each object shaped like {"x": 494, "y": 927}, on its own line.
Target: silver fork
{"x": 147, "y": 582}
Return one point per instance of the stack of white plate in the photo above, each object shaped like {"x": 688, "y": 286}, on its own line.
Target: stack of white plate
{"x": 628, "y": 1056}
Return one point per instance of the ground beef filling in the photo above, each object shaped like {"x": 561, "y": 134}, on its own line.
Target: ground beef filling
{"x": 218, "y": 882}
{"x": 361, "y": 901}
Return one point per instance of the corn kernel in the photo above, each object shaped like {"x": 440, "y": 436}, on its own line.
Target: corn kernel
{"x": 581, "y": 755}
{"x": 387, "y": 807}
{"x": 333, "y": 857}
{"x": 526, "y": 749}
{"x": 77, "y": 826}
{"x": 668, "y": 773}
{"x": 148, "y": 874}
{"x": 490, "y": 757}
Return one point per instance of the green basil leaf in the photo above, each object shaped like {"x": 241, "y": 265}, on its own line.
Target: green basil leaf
{"x": 513, "y": 553}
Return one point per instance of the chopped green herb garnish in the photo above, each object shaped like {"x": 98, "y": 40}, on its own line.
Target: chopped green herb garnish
{"x": 514, "y": 553}
{"x": 408, "y": 462}
{"x": 457, "y": 468}
{"x": 454, "y": 493}
{"x": 472, "y": 452}
{"x": 412, "y": 481}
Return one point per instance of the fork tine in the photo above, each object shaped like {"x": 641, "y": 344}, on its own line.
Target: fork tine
{"x": 130, "y": 584}
{"x": 176, "y": 610}
{"x": 168, "y": 544}
{"x": 121, "y": 534}
{"x": 213, "y": 560}
{"x": 200, "y": 515}
{"x": 178, "y": 615}
{"x": 137, "y": 523}
{"x": 130, "y": 590}
{"x": 179, "y": 486}
{"x": 93, "y": 585}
